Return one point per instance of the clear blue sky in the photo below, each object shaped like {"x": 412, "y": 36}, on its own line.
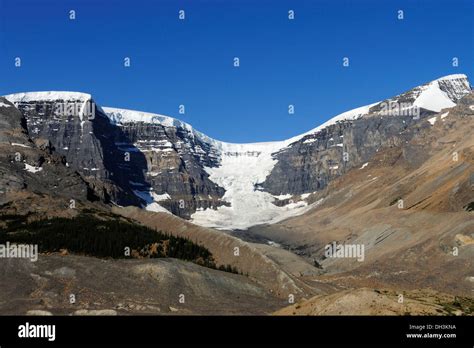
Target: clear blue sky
{"x": 190, "y": 62}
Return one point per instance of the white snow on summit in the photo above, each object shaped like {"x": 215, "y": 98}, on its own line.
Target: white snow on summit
{"x": 242, "y": 166}
{"x": 121, "y": 116}
{"x": 50, "y": 96}
{"x": 245, "y": 165}
{"x": 433, "y": 98}
{"x": 47, "y": 96}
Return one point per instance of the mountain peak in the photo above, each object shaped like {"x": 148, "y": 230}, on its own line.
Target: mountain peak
{"x": 47, "y": 96}
{"x": 452, "y": 77}
{"x": 442, "y": 93}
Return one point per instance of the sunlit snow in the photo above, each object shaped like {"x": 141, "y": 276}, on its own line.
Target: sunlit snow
{"x": 32, "y": 169}
{"x": 243, "y": 166}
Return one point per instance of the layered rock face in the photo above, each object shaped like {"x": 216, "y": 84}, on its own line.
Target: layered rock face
{"x": 31, "y": 164}
{"x": 308, "y": 164}
{"x": 129, "y": 163}
{"x": 175, "y": 161}
{"x": 86, "y": 139}
{"x": 162, "y": 164}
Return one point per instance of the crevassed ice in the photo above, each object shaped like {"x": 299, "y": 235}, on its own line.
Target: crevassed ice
{"x": 242, "y": 166}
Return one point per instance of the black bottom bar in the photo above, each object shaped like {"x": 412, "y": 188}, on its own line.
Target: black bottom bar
{"x": 195, "y": 330}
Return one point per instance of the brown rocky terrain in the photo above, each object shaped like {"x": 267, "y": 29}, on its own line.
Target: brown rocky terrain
{"x": 37, "y": 183}
{"x": 365, "y": 301}
{"x": 409, "y": 207}
{"x": 139, "y": 287}
{"x": 276, "y": 269}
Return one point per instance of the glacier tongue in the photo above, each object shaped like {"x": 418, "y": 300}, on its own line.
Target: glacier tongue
{"x": 238, "y": 174}
{"x": 243, "y": 166}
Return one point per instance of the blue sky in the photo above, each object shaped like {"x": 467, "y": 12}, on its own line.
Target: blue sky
{"x": 190, "y": 62}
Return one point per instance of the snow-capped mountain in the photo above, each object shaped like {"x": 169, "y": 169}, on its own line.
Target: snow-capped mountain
{"x": 164, "y": 164}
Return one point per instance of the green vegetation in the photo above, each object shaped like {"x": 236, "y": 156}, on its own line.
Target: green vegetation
{"x": 463, "y": 304}
{"x": 89, "y": 235}
{"x": 228, "y": 268}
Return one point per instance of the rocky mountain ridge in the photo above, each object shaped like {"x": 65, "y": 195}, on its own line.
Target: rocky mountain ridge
{"x": 163, "y": 164}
